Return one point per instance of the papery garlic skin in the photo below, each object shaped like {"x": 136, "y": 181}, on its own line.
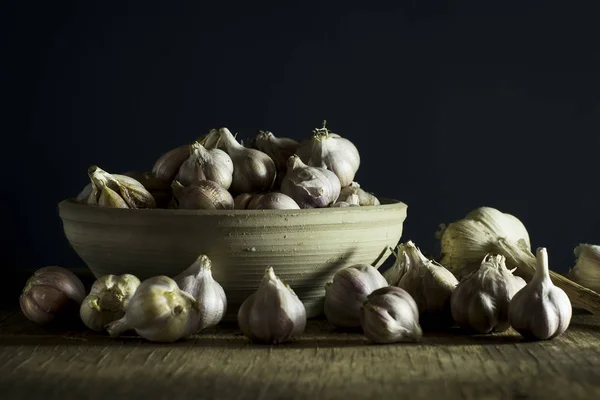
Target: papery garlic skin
{"x": 107, "y": 300}
{"x": 203, "y": 195}
{"x": 586, "y": 271}
{"x": 159, "y": 311}
{"x": 310, "y": 187}
{"x": 167, "y": 166}
{"x": 346, "y": 293}
{"x": 212, "y": 165}
{"x": 130, "y": 190}
{"x": 480, "y": 301}
{"x": 273, "y": 314}
{"x": 393, "y": 274}
{"x": 253, "y": 170}
{"x": 466, "y": 242}
{"x": 198, "y": 281}
{"x": 390, "y": 315}
{"x": 329, "y": 150}
{"x": 431, "y": 286}
{"x": 364, "y": 198}
{"x": 540, "y": 310}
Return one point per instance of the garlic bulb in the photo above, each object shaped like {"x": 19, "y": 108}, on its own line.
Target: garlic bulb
{"x": 273, "y": 314}
{"x": 253, "y": 170}
{"x": 159, "y": 311}
{"x": 272, "y": 201}
{"x": 540, "y": 310}
{"x": 167, "y": 166}
{"x": 51, "y": 293}
{"x": 329, "y": 150}
{"x": 198, "y": 281}
{"x": 390, "y": 315}
{"x": 364, "y": 198}
{"x": 345, "y": 295}
{"x": 486, "y": 230}
{"x": 133, "y": 193}
{"x": 279, "y": 149}
{"x": 213, "y": 165}
{"x": 310, "y": 187}
{"x": 430, "y": 284}
{"x": 480, "y": 301}
{"x": 586, "y": 271}
{"x": 107, "y": 300}
{"x": 203, "y": 195}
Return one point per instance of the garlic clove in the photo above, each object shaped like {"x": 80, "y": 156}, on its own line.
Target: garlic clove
{"x": 393, "y": 274}
{"x": 540, "y": 310}
{"x": 364, "y": 198}
{"x": 198, "y": 281}
{"x": 273, "y": 314}
{"x": 203, "y": 195}
{"x": 431, "y": 286}
{"x": 213, "y": 165}
{"x": 346, "y": 293}
{"x": 253, "y": 170}
{"x": 310, "y": 187}
{"x": 110, "y": 198}
{"x": 480, "y": 301}
{"x": 329, "y": 150}
{"x": 159, "y": 311}
{"x": 167, "y": 166}
{"x": 107, "y": 300}
{"x": 390, "y": 315}
{"x": 586, "y": 271}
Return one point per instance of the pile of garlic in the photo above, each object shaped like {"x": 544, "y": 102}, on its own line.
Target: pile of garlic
{"x": 218, "y": 172}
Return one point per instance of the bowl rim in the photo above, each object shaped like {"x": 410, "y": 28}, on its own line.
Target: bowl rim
{"x": 386, "y": 205}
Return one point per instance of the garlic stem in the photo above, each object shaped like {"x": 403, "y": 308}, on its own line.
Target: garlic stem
{"x": 526, "y": 264}
{"x": 541, "y": 270}
{"x": 228, "y": 139}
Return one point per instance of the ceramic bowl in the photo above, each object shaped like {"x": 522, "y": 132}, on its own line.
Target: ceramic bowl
{"x": 305, "y": 247}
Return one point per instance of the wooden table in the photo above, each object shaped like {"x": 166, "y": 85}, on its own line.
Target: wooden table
{"x": 322, "y": 364}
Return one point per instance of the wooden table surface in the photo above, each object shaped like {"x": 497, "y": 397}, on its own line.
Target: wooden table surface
{"x": 323, "y": 363}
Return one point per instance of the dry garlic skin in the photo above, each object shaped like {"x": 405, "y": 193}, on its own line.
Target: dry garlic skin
{"x": 540, "y": 310}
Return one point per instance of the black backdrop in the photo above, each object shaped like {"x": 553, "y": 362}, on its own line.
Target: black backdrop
{"x": 452, "y": 107}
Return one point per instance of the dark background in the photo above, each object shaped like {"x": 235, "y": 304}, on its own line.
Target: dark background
{"x": 451, "y": 106}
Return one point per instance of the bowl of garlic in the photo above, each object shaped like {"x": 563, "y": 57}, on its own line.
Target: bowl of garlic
{"x": 274, "y": 202}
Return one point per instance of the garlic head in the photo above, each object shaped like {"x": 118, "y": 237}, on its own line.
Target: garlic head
{"x": 390, "y": 315}
{"x": 310, "y": 187}
{"x": 480, "y": 301}
{"x": 198, "y": 281}
{"x": 202, "y": 164}
{"x": 107, "y": 300}
{"x": 329, "y": 150}
{"x": 273, "y": 314}
{"x": 159, "y": 311}
{"x": 346, "y": 293}
{"x": 540, "y": 310}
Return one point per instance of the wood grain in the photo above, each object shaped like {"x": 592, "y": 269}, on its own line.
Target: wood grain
{"x": 323, "y": 363}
